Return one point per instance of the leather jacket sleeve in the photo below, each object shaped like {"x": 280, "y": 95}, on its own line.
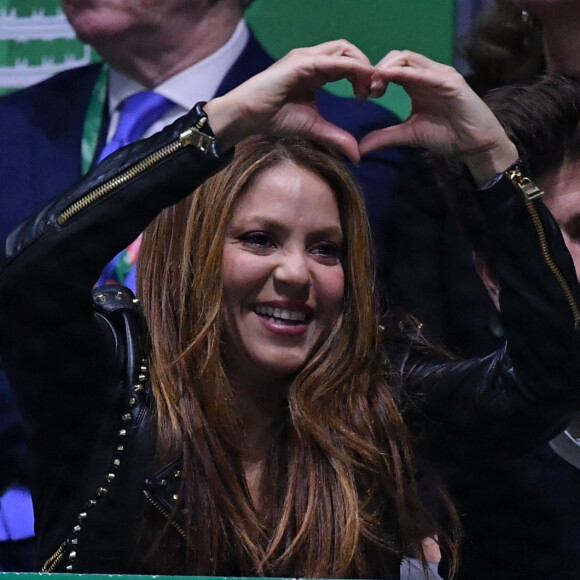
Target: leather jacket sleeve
{"x": 52, "y": 261}
{"x": 60, "y": 354}
{"x": 527, "y": 391}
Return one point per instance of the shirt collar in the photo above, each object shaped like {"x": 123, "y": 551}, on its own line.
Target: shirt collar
{"x": 197, "y": 83}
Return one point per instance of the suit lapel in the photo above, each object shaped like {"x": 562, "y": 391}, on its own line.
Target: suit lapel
{"x": 254, "y": 59}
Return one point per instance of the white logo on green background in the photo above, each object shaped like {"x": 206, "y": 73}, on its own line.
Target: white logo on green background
{"x": 36, "y": 41}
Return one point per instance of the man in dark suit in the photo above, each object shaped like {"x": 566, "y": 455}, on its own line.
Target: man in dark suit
{"x": 520, "y": 513}
{"x": 42, "y": 126}
{"x": 187, "y": 50}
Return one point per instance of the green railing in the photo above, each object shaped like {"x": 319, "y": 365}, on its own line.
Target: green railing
{"x": 32, "y": 576}
{"x": 39, "y": 576}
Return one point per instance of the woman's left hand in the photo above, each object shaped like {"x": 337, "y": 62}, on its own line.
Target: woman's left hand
{"x": 446, "y": 116}
{"x": 283, "y": 96}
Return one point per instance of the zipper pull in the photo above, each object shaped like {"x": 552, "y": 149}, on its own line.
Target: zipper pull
{"x": 529, "y": 189}
{"x": 199, "y": 140}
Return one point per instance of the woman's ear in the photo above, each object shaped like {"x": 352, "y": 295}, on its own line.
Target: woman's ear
{"x": 490, "y": 282}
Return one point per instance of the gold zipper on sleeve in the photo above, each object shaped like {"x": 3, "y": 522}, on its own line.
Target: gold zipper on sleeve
{"x": 530, "y": 192}
{"x": 191, "y": 137}
{"x": 55, "y": 559}
{"x": 164, "y": 513}
{"x": 524, "y": 184}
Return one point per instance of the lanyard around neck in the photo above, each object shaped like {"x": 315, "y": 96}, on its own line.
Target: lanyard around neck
{"x": 94, "y": 120}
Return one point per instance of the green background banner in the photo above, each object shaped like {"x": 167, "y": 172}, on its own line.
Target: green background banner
{"x": 36, "y": 41}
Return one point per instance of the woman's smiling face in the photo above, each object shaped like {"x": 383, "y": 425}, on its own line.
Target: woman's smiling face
{"x": 282, "y": 274}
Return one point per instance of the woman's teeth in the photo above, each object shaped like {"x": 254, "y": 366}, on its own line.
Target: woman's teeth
{"x": 281, "y": 314}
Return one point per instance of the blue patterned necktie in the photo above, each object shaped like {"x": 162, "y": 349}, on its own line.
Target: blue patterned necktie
{"x": 137, "y": 113}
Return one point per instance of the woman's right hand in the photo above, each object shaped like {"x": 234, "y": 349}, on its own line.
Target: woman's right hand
{"x": 283, "y": 96}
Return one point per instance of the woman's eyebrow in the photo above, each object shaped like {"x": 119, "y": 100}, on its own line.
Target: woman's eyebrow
{"x": 273, "y": 223}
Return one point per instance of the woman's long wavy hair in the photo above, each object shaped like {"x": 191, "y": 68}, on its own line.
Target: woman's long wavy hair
{"x": 339, "y": 497}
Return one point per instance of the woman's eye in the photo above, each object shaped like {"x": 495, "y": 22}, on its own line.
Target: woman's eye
{"x": 327, "y": 250}
{"x": 257, "y": 240}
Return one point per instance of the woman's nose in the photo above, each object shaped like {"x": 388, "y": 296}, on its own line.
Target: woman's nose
{"x": 293, "y": 269}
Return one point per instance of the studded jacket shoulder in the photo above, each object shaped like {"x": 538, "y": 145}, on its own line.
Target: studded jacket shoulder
{"x": 84, "y": 399}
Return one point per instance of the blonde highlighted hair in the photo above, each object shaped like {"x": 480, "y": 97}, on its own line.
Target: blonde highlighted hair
{"x": 339, "y": 496}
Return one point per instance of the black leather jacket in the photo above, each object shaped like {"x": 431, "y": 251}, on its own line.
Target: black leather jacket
{"x": 75, "y": 356}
